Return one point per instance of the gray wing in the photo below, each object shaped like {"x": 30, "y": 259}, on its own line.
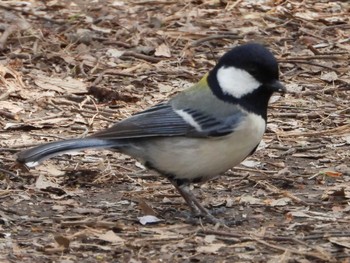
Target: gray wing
{"x": 164, "y": 120}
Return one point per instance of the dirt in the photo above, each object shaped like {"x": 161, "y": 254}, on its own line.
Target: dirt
{"x": 69, "y": 68}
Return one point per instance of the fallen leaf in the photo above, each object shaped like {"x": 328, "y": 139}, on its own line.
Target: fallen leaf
{"x": 163, "y": 51}
{"x": 114, "y": 53}
{"x": 110, "y": 236}
{"x": 83, "y": 210}
{"x": 62, "y": 241}
{"x": 51, "y": 170}
{"x": 209, "y": 238}
{"x": 332, "y": 174}
{"x": 280, "y": 202}
{"x": 250, "y": 163}
{"x": 146, "y": 208}
{"x": 12, "y": 107}
{"x": 340, "y": 241}
{"x": 329, "y": 76}
{"x": 165, "y": 88}
{"x": 248, "y": 199}
{"x": 67, "y": 85}
{"x": 42, "y": 183}
{"x": 101, "y": 29}
{"x": 149, "y": 219}
{"x": 210, "y": 249}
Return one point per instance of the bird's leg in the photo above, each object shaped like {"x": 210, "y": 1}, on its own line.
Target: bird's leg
{"x": 196, "y": 207}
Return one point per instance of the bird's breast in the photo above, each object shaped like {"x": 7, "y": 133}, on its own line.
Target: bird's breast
{"x": 203, "y": 158}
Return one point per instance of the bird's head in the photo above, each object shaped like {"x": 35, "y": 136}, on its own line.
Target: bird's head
{"x": 246, "y": 70}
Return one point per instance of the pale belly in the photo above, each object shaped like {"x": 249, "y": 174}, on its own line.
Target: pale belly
{"x": 193, "y": 158}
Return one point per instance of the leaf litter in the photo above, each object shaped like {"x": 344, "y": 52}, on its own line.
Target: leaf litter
{"x": 69, "y": 68}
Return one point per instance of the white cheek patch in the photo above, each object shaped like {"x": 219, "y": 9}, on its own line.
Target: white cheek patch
{"x": 236, "y": 82}
{"x": 189, "y": 119}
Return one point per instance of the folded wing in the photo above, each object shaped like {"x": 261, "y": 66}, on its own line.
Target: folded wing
{"x": 164, "y": 120}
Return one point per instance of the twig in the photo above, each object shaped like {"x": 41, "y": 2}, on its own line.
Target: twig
{"x": 45, "y": 117}
{"x": 8, "y": 8}
{"x": 333, "y": 26}
{"x": 227, "y": 234}
{"x": 153, "y": 2}
{"x": 114, "y": 42}
{"x": 22, "y": 146}
{"x": 48, "y": 136}
{"x": 9, "y": 115}
{"x": 247, "y": 237}
{"x": 340, "y": 129}
{"x": 318, "y": 255}
{"x": 90, "y": 222}
{"x": 7, "y": 93}
{"x": 140, "y": 56}
{"x": 297, "y": 148}
{"x": 296, "y": 115}
{"x": 323, "y": 57}
{"x": 8, "y": 150}
{"x": 109, "y": 71}
{"x": 209, "y": 38}
{"x": 254, "y": 170}
{"x": 231, "y": 7}
{"x": 5, "y": 35}
{"x": 308, "y": 63}
{"x": 11, "y": 174}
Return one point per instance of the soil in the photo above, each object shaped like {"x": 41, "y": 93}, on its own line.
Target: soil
{"x": 70, "y": 68}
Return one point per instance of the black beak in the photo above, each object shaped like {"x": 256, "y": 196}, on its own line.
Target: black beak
{"x": 277, "y": 86}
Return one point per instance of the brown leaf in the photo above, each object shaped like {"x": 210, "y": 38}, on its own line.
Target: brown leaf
{"x": 110, "y": 236}
{"x": 62, "y": 241}
{"x": 340, "y": 241}
{"x": 146, "y": 208}
{"x": 43, "y": 182}
{"x": 163, "y": 51}
{"x": 66, "y": 86}
{"x": 210, "y": 249}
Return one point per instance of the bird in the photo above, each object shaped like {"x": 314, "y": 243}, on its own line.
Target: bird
{"x": 197, "y": 134}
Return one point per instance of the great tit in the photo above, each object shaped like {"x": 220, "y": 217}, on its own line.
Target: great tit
{"x": 199, "y": 133}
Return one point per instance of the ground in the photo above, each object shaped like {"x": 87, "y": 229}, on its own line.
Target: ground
{"x": 69, "y": 68}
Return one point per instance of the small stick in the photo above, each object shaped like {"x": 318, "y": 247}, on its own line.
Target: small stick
{"x": 9, "y": 115}
{"x": 308, "y": 63}
{"x": 213, "y": 37}
{"x": 140, "y": 56}
{"x": 344, "y": 128}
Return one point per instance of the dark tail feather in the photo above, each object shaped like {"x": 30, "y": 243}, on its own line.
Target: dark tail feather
{"x": 36, "y": 155}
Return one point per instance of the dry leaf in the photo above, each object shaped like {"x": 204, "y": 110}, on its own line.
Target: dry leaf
{"x": 110, "y": 236}
{"x": 210, "y": 249}
{"x": 250, "y": 163}
{"x": 12, "y": 107}
{"x": 42, "y": 183}
{"x": 144, "y": 220}
{"x": 62, "y": 241}
{"x": 50, "y": 169}
{"x": 67, "y": 85}
{"x": 280, "y": 202}
{"x": 165, "y": 88}
{"x": 163, "y": 51}
{"x": 146, "y": 208}
{"x": 329, "y": 76}
{"x": 101, "y": 29}
{"x": 340, "y": 241}
{"x": 248, "y": 199}
{"x": 332, "y": 174}
{"x": 114, "y": 53}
